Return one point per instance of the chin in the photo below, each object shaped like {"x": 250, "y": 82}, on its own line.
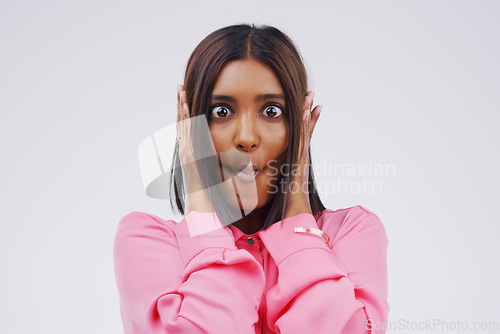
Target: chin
{"x": 246, "y": 196}
{"x": 242, "y": 201}
{"x": 246, "y": 199}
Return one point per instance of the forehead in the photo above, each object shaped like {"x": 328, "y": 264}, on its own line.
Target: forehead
{"x": 246, "y": 76}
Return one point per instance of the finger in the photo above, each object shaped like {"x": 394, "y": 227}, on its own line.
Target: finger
{"x": 186, "y": 128}
{"x": 304, "y": 138}
{"x": 306, "y": 108}
{"x": 314, "y": 118}
{"x": 308, "y": 99}
{"x": 307, "y": 136}
{"x": 307, "y": 114}
{"x": 307, "y": 121}
{"x": 183, "y": 115}
{"x": 179, "y": 109}
{"x": 184, "y": 105}
{"x": 304, "y": 152}
{"x": 307, "y": 111}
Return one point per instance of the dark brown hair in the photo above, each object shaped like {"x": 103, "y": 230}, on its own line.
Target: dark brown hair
{"x": 273, "y": 49}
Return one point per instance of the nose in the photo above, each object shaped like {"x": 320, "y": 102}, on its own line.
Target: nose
{"x": 247, "y": 137}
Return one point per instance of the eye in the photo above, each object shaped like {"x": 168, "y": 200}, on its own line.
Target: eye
{"x": 273, "y": 111}
{"x": 220, "y": 111}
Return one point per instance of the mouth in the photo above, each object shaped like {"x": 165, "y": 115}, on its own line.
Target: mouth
{"x": 245, "y": 173}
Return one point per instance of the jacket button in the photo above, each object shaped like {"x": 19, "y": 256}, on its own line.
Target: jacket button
{"x": 250, "y": 241}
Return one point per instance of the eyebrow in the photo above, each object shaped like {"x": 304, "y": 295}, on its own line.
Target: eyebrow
{"x": 258, "y": 98}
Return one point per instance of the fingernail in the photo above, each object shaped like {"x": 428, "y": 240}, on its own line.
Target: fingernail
{"x": 179, "y": 87}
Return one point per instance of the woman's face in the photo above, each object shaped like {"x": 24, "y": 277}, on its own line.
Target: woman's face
{"x": 247, "y": 120}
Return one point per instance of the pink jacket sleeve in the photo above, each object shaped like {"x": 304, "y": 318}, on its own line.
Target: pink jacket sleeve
{"x": 170, "y": 282}
{"x": 342, "y": 289}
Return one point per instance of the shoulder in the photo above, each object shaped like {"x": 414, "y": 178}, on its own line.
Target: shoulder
{"x": 143, "y": 225}
{"x": 139, "y": 219}
{"x": 344, "y": 222}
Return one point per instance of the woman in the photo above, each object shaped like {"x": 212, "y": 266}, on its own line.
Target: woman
{"x": 272, "y": 259}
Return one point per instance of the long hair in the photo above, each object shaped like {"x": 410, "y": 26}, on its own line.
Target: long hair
{"x": 275, "y": 50}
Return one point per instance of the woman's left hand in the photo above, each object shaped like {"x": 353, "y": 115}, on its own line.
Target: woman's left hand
{"x": 299, "y": 197}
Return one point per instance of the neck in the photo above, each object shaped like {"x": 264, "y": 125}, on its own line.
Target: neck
{"x": 254, "y": 221}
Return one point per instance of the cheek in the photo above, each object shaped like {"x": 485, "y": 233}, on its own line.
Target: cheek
{"x": 276, "y": 141}
{"x": 219, "y": 138}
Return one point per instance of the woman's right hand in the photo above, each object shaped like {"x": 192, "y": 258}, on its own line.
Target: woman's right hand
{"x": 196, "y": 198}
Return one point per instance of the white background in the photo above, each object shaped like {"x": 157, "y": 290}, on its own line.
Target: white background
{"x": 412, "y": 84}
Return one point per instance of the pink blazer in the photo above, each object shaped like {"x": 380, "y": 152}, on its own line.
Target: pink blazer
{"x": 273, "y": 281}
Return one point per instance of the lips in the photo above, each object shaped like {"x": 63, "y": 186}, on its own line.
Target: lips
{"x": 246, "y": 168}
{"x": 247, "y": 177}
{"x": 245, "y": 172}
